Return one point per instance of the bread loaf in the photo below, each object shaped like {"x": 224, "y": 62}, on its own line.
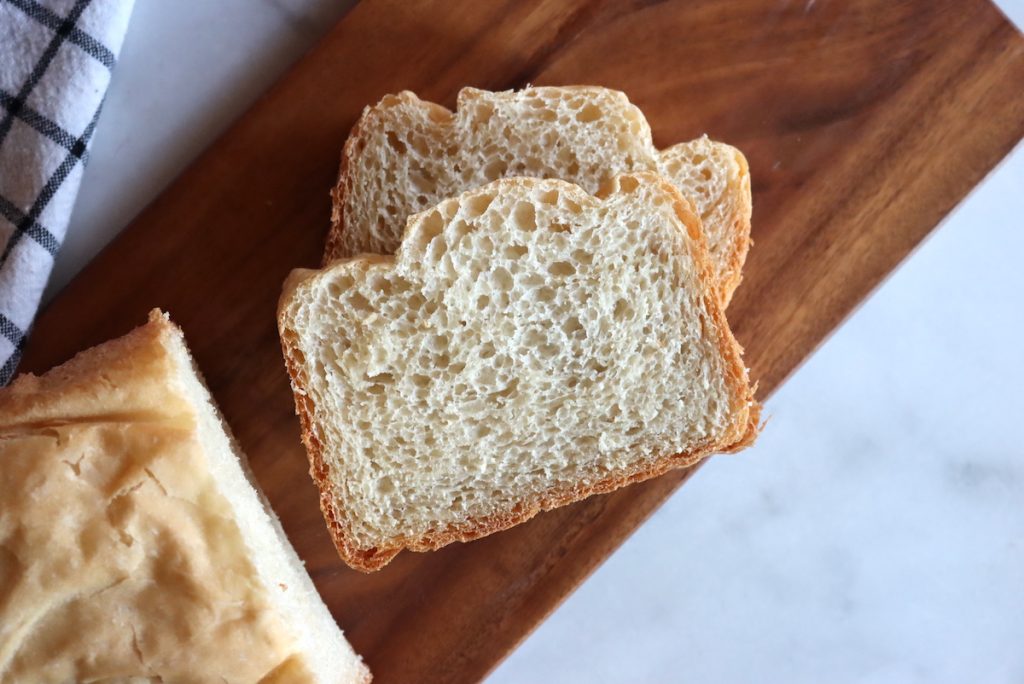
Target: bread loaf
{"x": 134, "y": 544}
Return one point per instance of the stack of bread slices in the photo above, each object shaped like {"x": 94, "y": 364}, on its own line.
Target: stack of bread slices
{"x": 521, "y": 305}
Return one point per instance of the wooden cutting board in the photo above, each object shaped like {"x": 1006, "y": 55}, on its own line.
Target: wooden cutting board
{"x": 865, "y": 122}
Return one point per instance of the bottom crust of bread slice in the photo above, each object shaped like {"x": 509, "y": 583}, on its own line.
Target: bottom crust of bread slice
{"x": 134, "y": 543}
{"x": 529, "y": 345}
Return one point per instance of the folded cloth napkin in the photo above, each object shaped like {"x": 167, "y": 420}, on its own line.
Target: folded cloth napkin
{"x": 56, "y": 58}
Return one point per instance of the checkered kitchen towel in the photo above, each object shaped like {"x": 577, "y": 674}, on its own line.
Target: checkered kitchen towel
{"x": 56, "y": 58}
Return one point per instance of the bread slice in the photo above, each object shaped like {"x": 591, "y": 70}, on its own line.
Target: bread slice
{"x": 134, "y": 543}
{"x": 405, "y": 155}
{"x": 528, "y": 345}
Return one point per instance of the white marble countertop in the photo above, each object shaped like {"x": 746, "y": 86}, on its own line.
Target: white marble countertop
{"x": 876, "y": 531}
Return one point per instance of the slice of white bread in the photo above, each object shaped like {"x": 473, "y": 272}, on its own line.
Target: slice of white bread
{"x": 528, "y": 345}
{"x": 134, "y": 543}
{"x": 405, "y": 155}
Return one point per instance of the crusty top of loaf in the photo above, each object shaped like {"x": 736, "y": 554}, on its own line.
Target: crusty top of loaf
{"x": 119, "y": 556}
{"x": 405, "y": 155}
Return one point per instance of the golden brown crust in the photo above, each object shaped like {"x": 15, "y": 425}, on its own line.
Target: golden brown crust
{"x": 360, "y": 559}
{"x": 742, "y": 433}
{"x": 334, "y": 247}
{"x": 741, "y": 242}
{"x": 19, "y": 398}
{"x": 335, "y": 237}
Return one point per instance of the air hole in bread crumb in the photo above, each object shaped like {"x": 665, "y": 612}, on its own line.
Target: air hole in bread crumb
{"x": 478, "y": 204}
{"x": 525, "y": 216}
{"x": 398, "y": 284}
{"x": 419, "y": 145}
{"x": 395, "y": 142}
{"x": 508, "y": 391}
{"x": 460, "y": 229}
{"x": 359, "y": 302}
{"x": 532, "y": 280}
{"x": 437, "y": 343}
{"x": 495, "y": 169}
{"x": 591, "y": 112}
{"x": 622, "y": 310}
{"x": 485, "y": 245}
{"x": 449, "y": 208}
{"x": 556, "y": 227}
{"x": 484, "y": 112}
{"x": 628, "y": 184}
{"x": 582, "y": 256}
{"x": 516, "y": 251}
{"x": 437, "y": 250}
{"x": 561, "y": 268}
{"x": 549, "y": 197}
{"x": 534, "y": 338}
{"x": 502, "y": 279}
{"x": 432, "y": 226}
{"x": 422, "y": 180}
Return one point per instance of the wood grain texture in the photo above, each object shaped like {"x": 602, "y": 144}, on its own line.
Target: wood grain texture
{"x": 865, "y": 122}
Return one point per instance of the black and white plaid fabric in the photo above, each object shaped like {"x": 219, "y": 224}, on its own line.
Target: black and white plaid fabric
{"x": 56, "y": 58}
